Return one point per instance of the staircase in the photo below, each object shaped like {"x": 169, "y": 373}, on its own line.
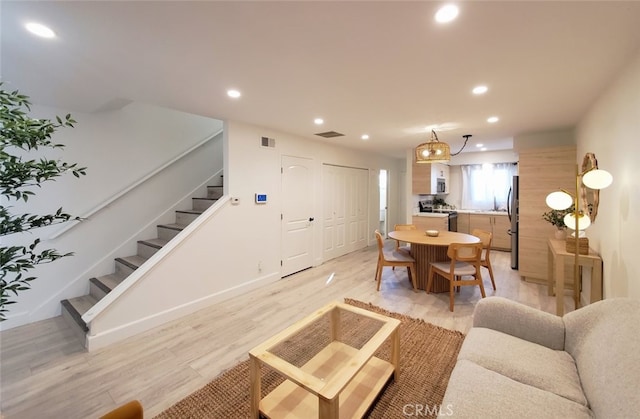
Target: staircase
{"x": 74, "y": 308}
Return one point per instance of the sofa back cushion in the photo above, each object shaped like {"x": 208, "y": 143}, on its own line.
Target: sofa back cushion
{"x": 604, "y": 340}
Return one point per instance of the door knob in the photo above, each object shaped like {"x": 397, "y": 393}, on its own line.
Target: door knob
{"x": 311, "y": 218}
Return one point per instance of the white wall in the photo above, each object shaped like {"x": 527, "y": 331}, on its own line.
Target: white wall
{"x": 611, "y": 130}
{"x": 118, "y": 147}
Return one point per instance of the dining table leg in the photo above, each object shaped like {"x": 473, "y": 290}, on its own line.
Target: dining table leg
{"x": 425, "y": 254}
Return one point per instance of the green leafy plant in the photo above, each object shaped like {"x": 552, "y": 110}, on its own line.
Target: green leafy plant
{"x": 556, "y": 217}
{"x": 20, "y": 137}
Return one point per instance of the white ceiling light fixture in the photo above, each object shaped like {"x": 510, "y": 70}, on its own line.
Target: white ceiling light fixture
{"x": 318, "y": 121}
{"x": 480, "y": 90}
{"x": 40, "y": 30}
{"x": 233, "y": 93}
{"x": 365, "y": 136}
{"x": 479, "y": 145}
{"x": 493, "y": 119}
{"x": 447, "y": 13}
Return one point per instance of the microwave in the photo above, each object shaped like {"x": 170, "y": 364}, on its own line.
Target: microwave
{"x": 441, "y": 186}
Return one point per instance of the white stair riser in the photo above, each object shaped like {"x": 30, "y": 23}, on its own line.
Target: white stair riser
{"x": 77, "y": 330}
{"x": 167, "y": 233}
{"x": 123, "y": 269}
{"x": 183, "y": 218}
{"x": 214, "y": 192}
{"x": 202, "y": 204}
{"x": 96, "y": 291}
{"x": 145, "y": 251}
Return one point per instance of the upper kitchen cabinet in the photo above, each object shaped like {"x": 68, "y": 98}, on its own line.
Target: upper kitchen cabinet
{"x": 430, "y": 178}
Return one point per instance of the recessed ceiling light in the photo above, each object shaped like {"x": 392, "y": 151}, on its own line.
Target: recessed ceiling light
{"x": 479, "y": 90}
{"x": 233, "y": 93}
{"x": 365, "y": 136}
{"x": 479, "y": 145}
{"x": 40, "y": 30}
{"x": 446, "y": 13}
{"x": 493, "y": 119}
{"x": 483, "y": 149}
{"x": 318, "y": 121}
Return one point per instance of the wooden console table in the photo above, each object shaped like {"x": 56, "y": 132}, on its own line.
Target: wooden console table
{"x": 558, "y": 258}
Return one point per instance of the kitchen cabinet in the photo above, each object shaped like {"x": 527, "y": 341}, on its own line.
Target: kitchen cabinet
{"x": 431, "y": 223}
{"x": 425, "y": 178}
{"x": 463, "y": 222}
{"x": 541, "y": 171}
{"x": 498, "y": 225}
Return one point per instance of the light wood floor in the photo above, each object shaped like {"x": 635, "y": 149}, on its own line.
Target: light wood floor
{"x": 46, "y": 373}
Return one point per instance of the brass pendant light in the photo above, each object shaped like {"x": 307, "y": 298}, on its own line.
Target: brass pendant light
{"x": 435, "y": 151}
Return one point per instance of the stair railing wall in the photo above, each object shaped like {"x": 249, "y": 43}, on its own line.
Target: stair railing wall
{"x": 134, "y": 185}
{"x": 105, "y": 264}
{"x": 108, "y": 232}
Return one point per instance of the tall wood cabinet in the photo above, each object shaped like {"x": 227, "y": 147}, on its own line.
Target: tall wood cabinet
{"x": 425, "y": 175}
{"x": 541, "y": 171}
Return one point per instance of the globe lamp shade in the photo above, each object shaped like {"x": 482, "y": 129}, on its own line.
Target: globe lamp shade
{"x": 597, "y": 179}
{"x": 559, "y": 200}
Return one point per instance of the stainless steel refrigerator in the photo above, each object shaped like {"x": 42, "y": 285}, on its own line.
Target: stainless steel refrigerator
{"x": 512, "y": 211}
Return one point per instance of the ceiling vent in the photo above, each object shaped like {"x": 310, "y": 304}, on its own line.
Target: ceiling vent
{"x": 330, "y": 134}
{"x": 268, "y": 142}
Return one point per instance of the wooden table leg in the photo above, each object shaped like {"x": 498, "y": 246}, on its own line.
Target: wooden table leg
{"x": 254, "y": 379}
{"x": 395, "y": 353}
{"x": 328, "y": 408}
{"x": 424, "y": 255}
{"x": 550, "y": 279}
{"x": 559, "y": 276}
{"x": 596, "y": 281}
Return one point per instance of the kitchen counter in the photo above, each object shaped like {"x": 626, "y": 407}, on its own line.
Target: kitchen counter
{"x": 431, "y": 214}
{"x": 482, "y": 212}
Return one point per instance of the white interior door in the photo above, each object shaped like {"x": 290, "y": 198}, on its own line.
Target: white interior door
{"x": 297, "y": 214}
{"x": 345, "y": 209}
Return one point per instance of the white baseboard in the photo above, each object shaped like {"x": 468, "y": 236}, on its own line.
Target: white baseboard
{"x": 106, "y": 338}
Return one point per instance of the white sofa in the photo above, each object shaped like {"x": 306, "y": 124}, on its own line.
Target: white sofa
{"x": 519, "y": 362}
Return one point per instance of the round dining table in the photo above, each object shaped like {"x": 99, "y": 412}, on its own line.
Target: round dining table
{"x": 426, "y": 249}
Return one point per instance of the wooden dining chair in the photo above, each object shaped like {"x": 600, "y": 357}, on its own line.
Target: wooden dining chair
{"x": 394, "y": 258}
{"x": 485, "y": 238}
{"x": 403, "y": 227}
{"x": 130, "y": 410}
{"x": 465, "y": 262}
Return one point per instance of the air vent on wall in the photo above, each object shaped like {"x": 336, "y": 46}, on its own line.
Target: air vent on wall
{"x": 268, "y": 142}
{"x": 329, "y": 134}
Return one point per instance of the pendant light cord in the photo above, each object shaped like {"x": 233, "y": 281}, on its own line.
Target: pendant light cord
{"x": 466, "y": 138}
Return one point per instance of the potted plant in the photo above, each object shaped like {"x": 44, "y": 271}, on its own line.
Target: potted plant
{"x": 25, "y": 143}
{"x": 556, "y": 218}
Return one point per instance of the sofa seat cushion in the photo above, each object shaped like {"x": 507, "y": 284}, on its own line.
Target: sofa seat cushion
{"x": 525, "y": 362}
{"x": 477, "y": 392}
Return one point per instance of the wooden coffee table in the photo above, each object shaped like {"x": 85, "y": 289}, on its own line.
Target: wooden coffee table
{"x": 338, "y": 381}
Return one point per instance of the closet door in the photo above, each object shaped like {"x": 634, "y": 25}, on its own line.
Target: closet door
{"x": 345, "y": 195}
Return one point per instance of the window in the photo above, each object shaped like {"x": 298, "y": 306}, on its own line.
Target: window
{"x": 486, "y": 186}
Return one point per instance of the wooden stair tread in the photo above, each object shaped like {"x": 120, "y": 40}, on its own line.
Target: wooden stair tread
{"x": 189, "y": 211}
{"x": 110, "y": 281}
{"x": 134, "y": 261}
{"x": 172, "y": 226}
{"x": 157, "y": 243}
{"x": 83, "y": 303}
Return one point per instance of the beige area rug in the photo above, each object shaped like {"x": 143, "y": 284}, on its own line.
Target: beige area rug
{"x": 427, "y": 356}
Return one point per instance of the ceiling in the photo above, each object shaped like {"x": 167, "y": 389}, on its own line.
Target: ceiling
{"x": 386, "y": 69}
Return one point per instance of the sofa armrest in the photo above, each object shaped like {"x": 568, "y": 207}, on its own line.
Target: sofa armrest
{"x": 521, "y": 321}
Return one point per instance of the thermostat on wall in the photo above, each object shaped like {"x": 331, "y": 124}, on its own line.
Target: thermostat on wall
{"x": 261, "y": 198}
